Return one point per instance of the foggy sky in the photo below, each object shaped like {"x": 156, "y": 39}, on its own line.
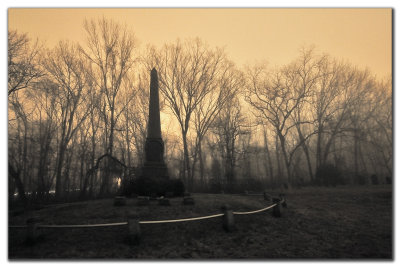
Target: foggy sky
{"x": 361, "y": 36}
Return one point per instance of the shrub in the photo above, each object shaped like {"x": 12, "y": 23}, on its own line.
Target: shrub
{"x": 147, "y": 186}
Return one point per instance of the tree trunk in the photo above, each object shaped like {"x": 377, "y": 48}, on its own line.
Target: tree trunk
{"x": 278, "y": 157}
{"x": 18, "y": 184}
{"x": 355, "y": 154}
{"x": 268, "y": 166}
{"x": 286, "y": 158}
{"x": 60, "y": 161}
{"x": 25, "y": 159}
{"x": 201, "y": 162}
{"x": 186, "y": 163}
{"x": 306, "y": 153}
{"x": 318, "y": 154}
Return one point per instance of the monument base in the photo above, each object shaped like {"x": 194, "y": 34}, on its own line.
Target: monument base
{"x": 155, "y": 171}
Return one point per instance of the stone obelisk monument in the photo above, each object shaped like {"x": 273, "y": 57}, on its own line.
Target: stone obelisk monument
{"x": 154, "y": 169}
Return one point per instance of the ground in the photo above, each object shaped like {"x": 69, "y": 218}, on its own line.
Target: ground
{"x": 318, "y": 223}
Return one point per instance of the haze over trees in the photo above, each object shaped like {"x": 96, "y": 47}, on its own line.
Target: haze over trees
{"x": 78, "y": 113}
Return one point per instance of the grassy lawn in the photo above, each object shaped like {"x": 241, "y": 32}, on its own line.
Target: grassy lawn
{"x": 319, "y": 223}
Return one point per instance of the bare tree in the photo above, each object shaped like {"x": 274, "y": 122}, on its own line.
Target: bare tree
{"x": 308, "y": 71}
{"x": 45, "y": 114}
{"x": 110, "y": 51}
{"x": 23, "y": 68}
{"x": 380, "y": 133}
{"x": 228, "y": 126}
{"x": 277, "y": 95}
{"x": 187, "y": 73}
{"x": 225, "y": 90}
{"x": 269, "y": 169}
{"x": 68, "y": 71}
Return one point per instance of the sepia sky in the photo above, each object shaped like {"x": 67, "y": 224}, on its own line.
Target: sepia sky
{"x": 361, "y": 36}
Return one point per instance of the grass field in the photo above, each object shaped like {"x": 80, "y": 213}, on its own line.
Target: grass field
{"x": 319, "y": 223}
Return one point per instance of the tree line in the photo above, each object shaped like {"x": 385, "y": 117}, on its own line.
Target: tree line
{"x": 77, "y": 116}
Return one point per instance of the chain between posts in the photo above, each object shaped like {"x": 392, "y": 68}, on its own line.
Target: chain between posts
{"x": 254, "y": 211}
{"x": 150, "y": 222}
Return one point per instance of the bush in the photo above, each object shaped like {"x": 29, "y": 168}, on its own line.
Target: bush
{"x": 147, "y": 186}
{"x": 329, "y": 175}
{"x": 176, "y": 186}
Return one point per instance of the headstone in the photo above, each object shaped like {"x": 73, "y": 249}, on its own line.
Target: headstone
{"x": 186, "y": 194}
{"x": 388, "y": 180}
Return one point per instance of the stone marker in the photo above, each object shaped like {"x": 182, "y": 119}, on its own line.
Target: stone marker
{"x": 119, "y": 201}
{"x": 228, "y": 221}
{"x": 188, "y": 201}
{"x": 133, "y": 228}
{"x": 186, "y": 194}
{"x": 276, "y": 210}
{"x": 154, "y": 170}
